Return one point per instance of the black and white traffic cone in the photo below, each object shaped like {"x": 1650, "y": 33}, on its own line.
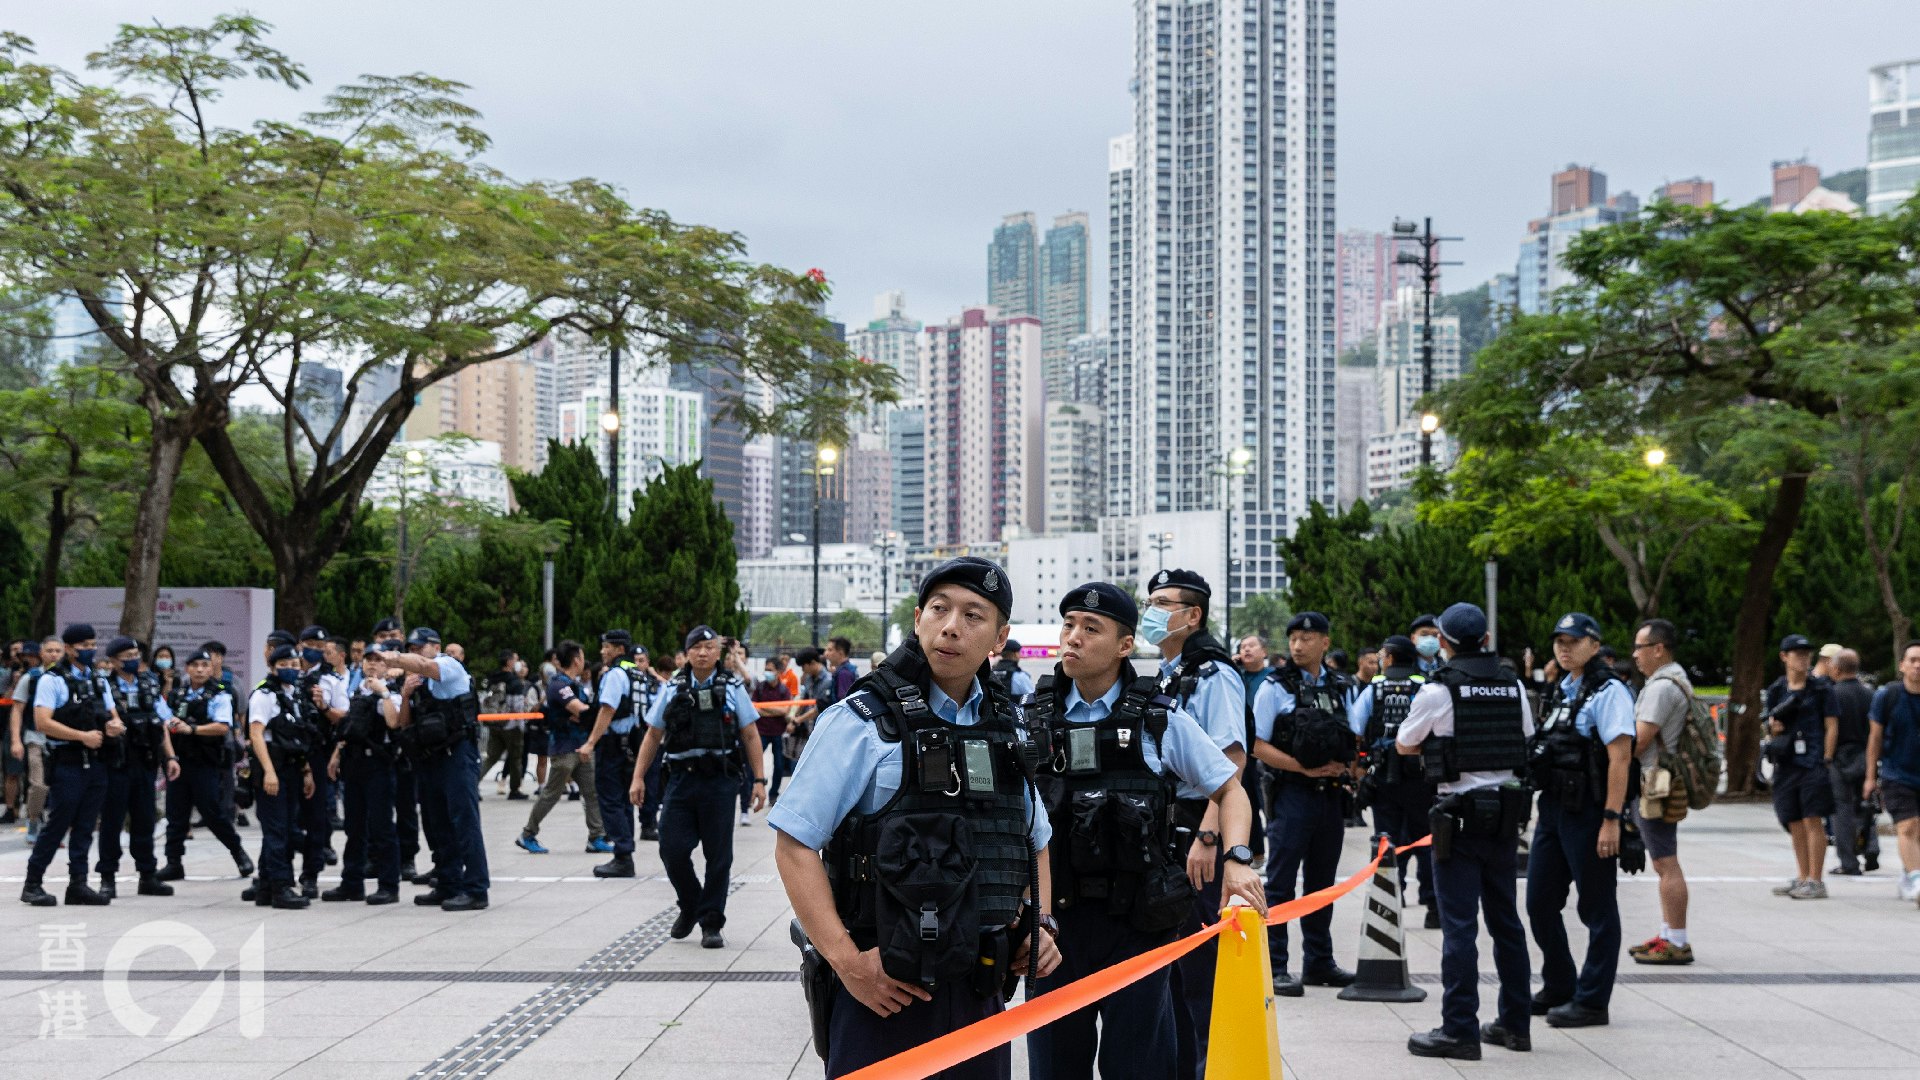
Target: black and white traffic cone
{"x": 1381, "y": 974}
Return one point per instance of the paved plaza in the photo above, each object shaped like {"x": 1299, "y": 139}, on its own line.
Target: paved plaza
{"x": 566, "y": 973}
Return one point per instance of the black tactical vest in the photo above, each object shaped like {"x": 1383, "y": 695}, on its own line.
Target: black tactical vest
{"x": 1317, "y": 733}
{"x": 140, "y": 711}
{"x": 698, "y": 717}
{"x": 198, "y": 711}
{"x": 85, "y": 710}
{"x": 1489, "y": 726}
{"x": 363, "y": 730}
{"x": 436, "y": 725}
{"x": 629, "y": 704}
{"x": 1112, "y": 815}
{"x": 934, "y": 877}
{"x": 1562, "y": 762}
{"x": 291, "y": 736}
{"x": 1180, "y": 684}
{"x": 1392, "y": 700}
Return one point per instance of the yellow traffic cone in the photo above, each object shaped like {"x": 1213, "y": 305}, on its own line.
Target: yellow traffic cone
{"x": 1243, "y": 1043}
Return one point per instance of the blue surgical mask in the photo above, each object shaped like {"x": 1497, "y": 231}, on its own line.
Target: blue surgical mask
{"x": 163, "y": 664}
{"x": 131, "y": 667}
{"x": 287, "y": 675}
{"x": 1153, "y": 625}
{"x": 83, "y": 657}
{"x": 312, "y": 656}
{"x": 1429, "y": 646}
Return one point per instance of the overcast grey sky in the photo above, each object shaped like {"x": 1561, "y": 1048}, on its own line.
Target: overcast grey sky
{"x": 882, "y": 140}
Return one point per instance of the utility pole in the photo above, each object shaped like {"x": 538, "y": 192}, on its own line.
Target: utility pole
{"x": 1429, "y": 264}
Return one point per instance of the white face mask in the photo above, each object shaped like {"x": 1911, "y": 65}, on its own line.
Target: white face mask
{"x": 1428, "y": 646}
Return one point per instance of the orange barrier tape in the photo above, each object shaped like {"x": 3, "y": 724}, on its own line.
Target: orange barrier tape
{"x": 981, "y": 1036}
{"x": 499, "y": 717}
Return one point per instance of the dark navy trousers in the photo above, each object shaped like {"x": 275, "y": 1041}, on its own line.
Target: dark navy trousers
{"x": 279, "y": 828}
{"x": 612, "y": 775}
{"x": 857, "y": 1036}
{"x": 1401, "y": 811}
{"x": 450, "y": 792}
{"x": 656, "y": 792}
{"x": 1135, "y": 1029}
{"x": 198, "y": 788}
{"x": 406, "y": 810}
{"x": 1191, "y": 981}
{"x": 129, "y": 801}
{"x": 373, "y": 845}
{"x": 1564, "y": 857}
{"x": 1478, "y": 880}
{"x": 1303, "y": 854}
{"x": 316, "y": 825}
{"x": 74, "y": 795}
{"x": 698, "y": 810}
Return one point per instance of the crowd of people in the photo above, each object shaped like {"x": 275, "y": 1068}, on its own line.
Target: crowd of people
{"x": 946, "y": 823}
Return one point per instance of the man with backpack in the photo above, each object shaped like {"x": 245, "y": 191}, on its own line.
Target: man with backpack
{"x": 1660, "y": 716}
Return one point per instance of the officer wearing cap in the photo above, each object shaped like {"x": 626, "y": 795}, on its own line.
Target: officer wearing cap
{"x": 1424, "y": 631}
{"x": 702, "y": 722}
{"x": 1582, "y": 765}
{"x": 72, "y": 707}
{"x": 361, "y": 762}
{"x": 324, "y": 693}
{"x": 131, "y": 763}
{"x": 1302, "y": 734}
{"x": 924, "y": 751}
{"x": 200, "y": 730}
{"x": 283, "y": 741}
{"x": 1471, "y": 722}
{"x": 1197, "y": 672}
{"x": 390, "y": 635}
{"x": 439, "y": 713}
{"x": 1803, "y": 729}
{"x": 1400, "y": 795}
{"x": 619, "y": 701}
{"x": 1119, "y": 754}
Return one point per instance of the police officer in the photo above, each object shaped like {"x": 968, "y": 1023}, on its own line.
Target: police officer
{"x": 1118, "y": 755}
{"x": 1301, "y": 732}
{"x": 567, "y": 722}
{"x": 324, "y": 694}
{"x": 647, "y": 686}
{"x": 201, "y": 727}
{"x": 73, "y": 708}
{"x": 1425, "y": 633}
{"x": 619, "y": 701}
{"x": 1197, "y": 672}
{"x": 131, "y": 762}
{"x": 1472, "y": 721}
{"x": 388, "y": 633}
{"x": 440, "y": 711}
{"x": 1580, "y": 762}
{"x": 1400, "y": 795}
{"x": 283, "y": 740}
{"x": 703, "y": 723}
{"x": 1008, "y": 674}
{"x": 924, "y": 754}
{"x": 362, "y": 763}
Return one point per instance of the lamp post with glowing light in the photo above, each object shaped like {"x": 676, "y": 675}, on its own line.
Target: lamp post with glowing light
{"x": 1160, "y": 542}
{"x": 823, "y": 466}
{"x": 1236, "y": 466}
{"x": 610, "y": 423}
{"x": 1655, "y": 457}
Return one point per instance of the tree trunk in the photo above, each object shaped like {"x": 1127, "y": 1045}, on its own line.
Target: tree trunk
{"x": 1751, "y": 645}
{"x": 296, "y": 599}
{"x": 41, "y": 616}
{"x": 168, "y": 449}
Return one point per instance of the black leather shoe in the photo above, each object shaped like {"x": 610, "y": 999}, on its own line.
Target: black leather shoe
{"x": 173, "y": 871}
{"x": 241, "y": 821}
{"x": 464, "y": 902}
{"x": 343, "y": 892}
{"x": 1541, "y": 1004}
{"x": 242, "y": 865}
{"x": 1574, "y": 1015}
{"x": 618, "y": 866}
{"x": 431, "y": 898}
{"x": 310, "y": 889}
{"x": 408, "y": 873}
{"x": 431, "y": 879}
{"x": 682, "y": 925}
{"x": 35, "y": 894}
{"x": 516, "y": 796}
{"x": 1870, "y": 861}
{"x": 78, "y": 895}
{"x": 1286, "y": 985}
{"x": 150, "y": 885}
{"x": 382, "y": 896}
{"x": 107, "y": 888}
{"x": 1433, "y": 918}
{"x": 1498, "y": 1035}
{"x": 1334, "y": 975}
{"x": 1437, "y": 1044}
{"x": 329, "y": 856}
{"x": 711, "y": 939}
{"x": 650, "y": 833}
{"x": 289, "y": 899}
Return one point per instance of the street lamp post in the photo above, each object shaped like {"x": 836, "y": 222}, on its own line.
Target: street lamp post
{"x": 887, "y": 539}
{"x": 823, "y": 466}
{"x": 610, "y": 420}
{"x": 1236, "y": 466}
{"x": 1160, "y": 542}
{"x": 409, "y": 461}
{"x": 1428, "y": 260}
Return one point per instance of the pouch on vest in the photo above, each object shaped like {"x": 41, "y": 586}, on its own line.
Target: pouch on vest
{"x": 926, "y": 908}
{"x": 1163, "y": 901}
{"x": 1087, "y": 848}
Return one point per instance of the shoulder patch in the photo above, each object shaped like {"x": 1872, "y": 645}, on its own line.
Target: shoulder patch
{"x": 868, "y": 705}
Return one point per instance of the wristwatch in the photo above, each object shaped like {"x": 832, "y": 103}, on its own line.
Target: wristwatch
{"x": 759, "y": 779}
{"x": 1241, "y": 854}
{"x": 1050, "y": 925}
{"x": 1207, "y": 837}
{"x": 1610, "y": 814}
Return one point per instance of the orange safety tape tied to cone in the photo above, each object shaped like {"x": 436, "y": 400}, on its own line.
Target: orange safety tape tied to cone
{"x": 1003, "y": 1027}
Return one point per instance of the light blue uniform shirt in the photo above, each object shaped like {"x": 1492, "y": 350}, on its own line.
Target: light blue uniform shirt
{"x": 1199, "y": 765}
{"x": 51, "y": 693}
{"x": 1218, "y": 704}
{"x": 452, "y": 681}
{"x": 614, "y": 688}
{"x": 849, "y": 767}
{"x": 1611, "y": 709}
{"x": 738, "y": 700}
{"x": 160, "y": 707}
{"x": 219, "y": 705}
{"x": 1020, "y": 685}
{"x": 1275, "y": 700}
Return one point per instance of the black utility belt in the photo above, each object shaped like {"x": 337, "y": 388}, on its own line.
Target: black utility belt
{"x": 70, "y": 754}
{"x": 704, "y": 765}
{"x": 1313, "y": 783}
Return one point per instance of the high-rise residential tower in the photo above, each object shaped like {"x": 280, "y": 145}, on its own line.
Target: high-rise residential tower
{"x": 1228, "y": 302}
{"x": 1063, "y": 298}
{"x": 984, "y": 421}
{"x": 1013, "y": 266}
{"x": 1893, "y": 135}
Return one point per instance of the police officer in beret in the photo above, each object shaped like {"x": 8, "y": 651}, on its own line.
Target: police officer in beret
{"x": 362, "y": 763}
{"x": 1398, "y": 791}
{"x": 283, "y": 741}
{"x": 619, "y": 701}
{"x": 132, "y": 761}
{"x": 923, "y": 756}
{"x": 201, "y": 729}
{"x": 702, "y": 721}
{"x": 390, "y": 635}
{"x": 73, "y": 707}
{"x": 1119, "y": 754}
{"x": 1197, "y": 672}
{"x": 1301, "y": 733}
{"x": 1472, "y": 720}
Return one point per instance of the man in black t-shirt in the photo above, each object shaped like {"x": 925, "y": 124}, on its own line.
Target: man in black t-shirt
{"x": 1851, "y": 816}
{"x": 1802, "y": 730}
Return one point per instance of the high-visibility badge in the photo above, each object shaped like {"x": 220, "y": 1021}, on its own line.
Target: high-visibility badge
{"x": 1243, "y": 1042}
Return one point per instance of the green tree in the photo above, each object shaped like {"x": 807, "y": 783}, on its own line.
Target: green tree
{"x": 16, "y": 581}
{"x": 780, "y": 629}
{"x": 902, "y": 615}
{"x": 857, "y": 627}
{"x": 1264, "y": 614}
{"x": 684, "y": 563}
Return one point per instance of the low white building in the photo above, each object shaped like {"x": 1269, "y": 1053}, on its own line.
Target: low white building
{"x": 466, "y": 470}
{"x": 1393, "y": 458}
{"x": 850, "y": 577}
{"x": 1043, "y": 568}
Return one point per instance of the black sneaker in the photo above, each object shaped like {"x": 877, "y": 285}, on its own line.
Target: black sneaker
{"x": 1870, "y": 861}
{"x": 242, "y": 865}
{"x": 382, "y": 896}
{"x": 344, "y": 892}
{"x": 1433, "y": 917}
{"x": 711, "y": 939}
{"x": 1438, "y": 1044}
{"x": 1497, "y": 1034}
{"x": 240, "y": 820}
{"x": 431, "y": 898}
{"x": 620, "y": 866}
{"x": 682, "y": 925}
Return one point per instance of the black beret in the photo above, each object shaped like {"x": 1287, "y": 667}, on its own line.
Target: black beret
{"x": 119, "y": 645}
{"x": 283, "y": 652}
{"x": 282, "y": 637}
{"x": 386, "y": 624}
{"x": 983, "y": 576}
{"x": 423, "y": 635}
{"x": 1311, "y": 621}
{"x": 1421, "y": 621}
{"x": 616, "y": 637}
{"x": 1463, "y": 624}
{"x": 1101, "y": 598}
{"x": 75, "y": 633}
{"x": 1180, "y": 579}
{"x": 315, "y": 633}
{"x": 698, "y": 634}
{"x": 200, "y": 654}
